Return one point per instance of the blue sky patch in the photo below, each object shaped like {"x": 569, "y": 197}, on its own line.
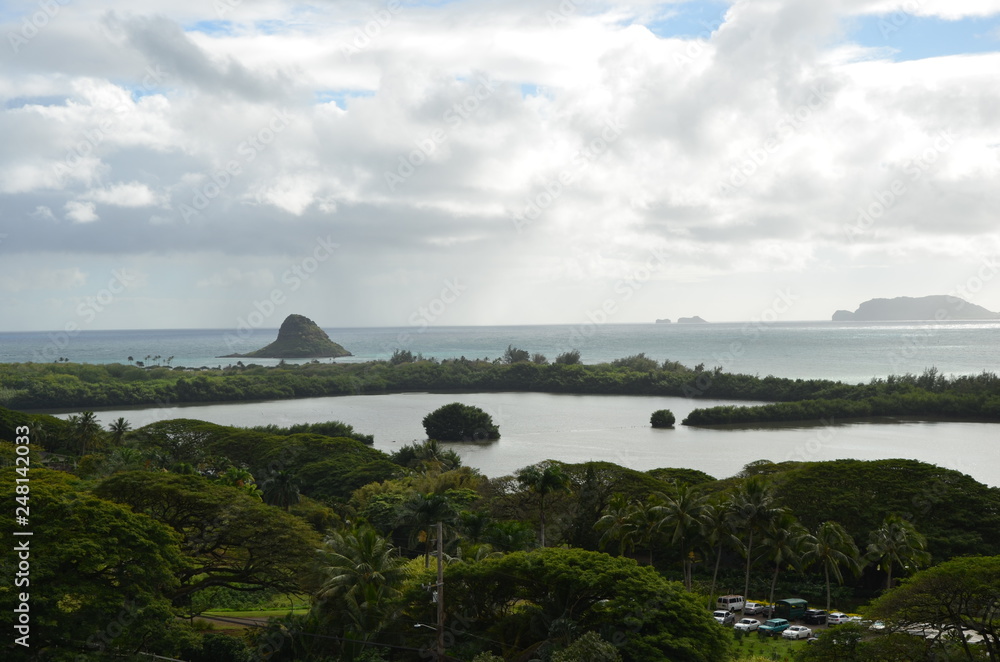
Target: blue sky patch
{"x": 341, "y": 97}
{"x": 916, "y": 38}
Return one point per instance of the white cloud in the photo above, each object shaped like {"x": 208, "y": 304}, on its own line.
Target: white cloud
{"x": 124, "y": 194}
{"x": 81, "y": 212}
{"x": 725, "y": 153}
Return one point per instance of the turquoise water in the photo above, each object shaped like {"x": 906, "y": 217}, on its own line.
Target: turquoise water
{"x": 853, "y": 352}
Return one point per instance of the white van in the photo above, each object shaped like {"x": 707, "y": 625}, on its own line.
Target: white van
{"x": 730, "y": 602}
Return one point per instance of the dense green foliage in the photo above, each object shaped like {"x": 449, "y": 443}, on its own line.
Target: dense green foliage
{"x": 92, "y": 564}
{"x": 957, "y": 514}
{"x": 228, "y": 538}
{"x": 958, "y": 595}
{"x": 662, "y": 418}
{"x": 537, "y": 600}
{"x": 458, "y": 422}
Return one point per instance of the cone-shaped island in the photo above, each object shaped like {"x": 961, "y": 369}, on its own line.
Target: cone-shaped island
{"x": 298, "y": 338}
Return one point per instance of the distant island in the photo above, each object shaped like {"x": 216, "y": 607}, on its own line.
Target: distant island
{"x": 691, "y": 320}
{"x": 298, "y": 338}
{"x": 663, "y": 321}
{"x": 935, "y": 307}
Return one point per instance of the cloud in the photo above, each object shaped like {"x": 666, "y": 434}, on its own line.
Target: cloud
{"x": 130, "y": 194}
{"x": 539, "y": 159}
{"x": 81, "y": 212}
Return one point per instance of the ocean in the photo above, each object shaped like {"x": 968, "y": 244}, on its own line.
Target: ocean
{"x": 852, "y": 351}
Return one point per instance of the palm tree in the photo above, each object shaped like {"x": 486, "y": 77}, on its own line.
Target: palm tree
{"x": 85, "y": 430}
{"x": 363, "y": 574}
{"x": 717, "y": 532}
{"x": 831, "y": 547}
{"x": 423, "y": 512}
{"x": 646, "y": 518}
{"x": 618, "y": 524}
{"x": 282, "y": 489}
{"x": 681, "y": 513}
{"x": 752, "y": 509}
{"x": 543, "y": 480}
{"x": 897, "y": 542}
{"x": 783, "y": 542}
{"x": 118, "y": 429}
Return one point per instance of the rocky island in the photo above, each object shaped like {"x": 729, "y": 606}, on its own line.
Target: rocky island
{"x": 298, "y": 338}
{"x": 691, "y": 320}
{"x": 934, "y": 307}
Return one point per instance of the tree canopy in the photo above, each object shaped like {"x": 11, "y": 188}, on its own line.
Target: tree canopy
{"x": 458, "y": 422}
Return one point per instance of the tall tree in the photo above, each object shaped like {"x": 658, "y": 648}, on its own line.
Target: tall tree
{"x": 118, "y": 429}
{"x": 680, "y": 514}
{"x": 86, "y": 431}
{"x": 783, "y": 542}
{"x": 958, "y": 595}
{"x": 897, "y": 543}
{"x": 618, "y": 524}
{"x": 422, "y": 512}
{"x": 831, "y": 548}
{"x": 282, "y": 489}
{"x": 543, "y": 480}
{"x": 752, "y": 509}
{"x": 717, "y": 533}
{"x": 362, "y": 577}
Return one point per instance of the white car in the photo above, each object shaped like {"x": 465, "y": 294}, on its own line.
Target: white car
{"x": 747, "y": 624}
{"x": 837, "y": 617}
{"x": 723, "y": 617}
{"x": 753, "y": 608}
{"x": 797, "y": 632}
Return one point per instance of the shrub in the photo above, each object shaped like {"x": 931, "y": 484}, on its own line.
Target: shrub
{"x": 662, "y": 418}
{"x": 458, "y": 422}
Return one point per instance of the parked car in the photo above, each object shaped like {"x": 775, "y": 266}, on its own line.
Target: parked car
{"x": 796, "y": 632}
{"x": 837, "y": 617}
{"x": 815, "y": 616}
{"x": 754, "y": 608}
{"x": 747, "y": 624}
{"x": 724, "y": 617}
{"x": 773, "y": 626}
{"x": 730, "y": 602}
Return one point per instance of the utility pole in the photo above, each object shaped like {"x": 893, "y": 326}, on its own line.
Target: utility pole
{"x": 440, "y": 592}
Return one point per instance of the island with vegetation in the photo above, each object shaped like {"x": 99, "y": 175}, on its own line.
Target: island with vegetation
{"x": 298, "y": 338}
{"x": 935, "y": 307}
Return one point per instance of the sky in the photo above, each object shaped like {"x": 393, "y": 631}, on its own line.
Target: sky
{"x": 218, "y": 163}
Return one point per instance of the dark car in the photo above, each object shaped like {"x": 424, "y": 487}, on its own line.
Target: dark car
{"x": 815, "y": 616}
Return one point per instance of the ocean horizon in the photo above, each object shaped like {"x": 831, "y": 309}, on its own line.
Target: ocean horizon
{"x": 844, "y": 351}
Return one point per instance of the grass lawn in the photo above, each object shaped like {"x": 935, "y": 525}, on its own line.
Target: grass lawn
{"x": 772, "y": 648}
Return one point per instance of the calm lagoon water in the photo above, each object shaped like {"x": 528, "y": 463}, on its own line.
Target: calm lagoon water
{"x": 579, "y": 428}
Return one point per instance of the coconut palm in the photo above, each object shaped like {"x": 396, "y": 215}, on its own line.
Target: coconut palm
{"x": 362, "y": 576}
{"x": 422, "y": 513}
{"x": 717, "y": 533}
{"x": 118, "y": 429}
{"x": 282, "y": 489}
{"x": 751, "y": 510}
{"x": 832, "y": 548}
{"x": 783, "y": 544}
{"x": 543, "y": 480}
{"x": 618, "y": 524}
{"x": 680, "y": 514}
{"x": 86, "y": 431}
{"x": 897, "y": 542}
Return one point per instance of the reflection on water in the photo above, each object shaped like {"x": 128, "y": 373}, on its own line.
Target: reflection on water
{"x": 578, "y": 428}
